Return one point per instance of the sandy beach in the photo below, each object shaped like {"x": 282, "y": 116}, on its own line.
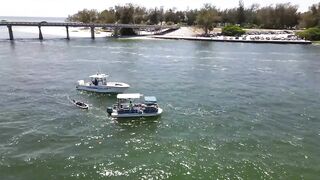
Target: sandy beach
{"x": 252, "y": 35}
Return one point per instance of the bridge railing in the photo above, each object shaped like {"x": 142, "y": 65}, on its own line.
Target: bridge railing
{"x": 92, "y": 26}
{"x": 77, "y": 24}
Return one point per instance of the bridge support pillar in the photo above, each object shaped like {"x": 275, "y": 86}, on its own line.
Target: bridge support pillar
{"x": 92, "y": 32}
{"x": 40, "y": 33}
{"x": 116, "y": 32}
{"x": 10, "y": 32}
{"x": 67, "y": 29}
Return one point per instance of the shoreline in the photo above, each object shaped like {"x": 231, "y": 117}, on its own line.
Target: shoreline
{"x": 252, "y": 36}
{"x": 234, "y": 40}
{"x": 183, "y": 33}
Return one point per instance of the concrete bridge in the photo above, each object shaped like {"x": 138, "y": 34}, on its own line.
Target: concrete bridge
{"x": 92, "y": 26}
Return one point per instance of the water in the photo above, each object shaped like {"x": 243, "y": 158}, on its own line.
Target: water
{"x": 231, "y": 110}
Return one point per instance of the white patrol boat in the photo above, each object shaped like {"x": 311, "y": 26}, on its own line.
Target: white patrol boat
{"x": 99, "y": 84}
{"x": 134, "y": 105}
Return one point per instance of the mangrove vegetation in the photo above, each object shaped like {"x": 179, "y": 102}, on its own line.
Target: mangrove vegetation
{"x": 278, "y": 16}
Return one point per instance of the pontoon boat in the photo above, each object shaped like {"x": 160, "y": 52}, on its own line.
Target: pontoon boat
{"x": 134, "y": 105}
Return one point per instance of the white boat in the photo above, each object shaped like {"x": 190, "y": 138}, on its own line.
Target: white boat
{"x": 80, "y": 104}
{"x": 135, "y": 105}
{"x": 100, "y": 84}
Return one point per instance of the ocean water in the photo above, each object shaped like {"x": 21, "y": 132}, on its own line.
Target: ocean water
{"x": 231, "y": 110}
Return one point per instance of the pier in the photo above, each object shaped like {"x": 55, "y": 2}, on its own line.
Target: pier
{"x": 92, "y": 27}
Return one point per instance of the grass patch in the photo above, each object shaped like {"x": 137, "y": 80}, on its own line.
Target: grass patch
{"x": 312, "y": 34}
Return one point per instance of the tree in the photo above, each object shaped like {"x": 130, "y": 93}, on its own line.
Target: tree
{"x": 85, "y": 16}
{"x": 241, "y": 13}
{"x": 311, "y": 18}
{"x": 170, "y": 16}
{"x": 161, "y": 15}
{"x": 181, "y": 17}
{"x": 207, "y": 18}
{"x": 107, "y": 16}
{"x": 140, "y": 15}
{"x": 279, "y": 17}
{"x": 154, "y": 16}
{"x": 286, "y": 16}
{"x": 229, "y": 16}
{"x": 125, "y": 14}
{"x": 191, "y": 17}
{"x": 251, "y": 15}
{"x": 265, "y": 17}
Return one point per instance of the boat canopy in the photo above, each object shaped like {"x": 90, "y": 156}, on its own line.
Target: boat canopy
{"x": 129, "y": 96}
{"x": 150, "y": 99}
{"x": 99, "y": 76}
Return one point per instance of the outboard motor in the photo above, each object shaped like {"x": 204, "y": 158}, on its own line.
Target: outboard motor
{"x": 109, "y": 110}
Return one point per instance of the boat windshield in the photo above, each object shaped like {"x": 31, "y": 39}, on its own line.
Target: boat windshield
{"x": 98, "y": 81}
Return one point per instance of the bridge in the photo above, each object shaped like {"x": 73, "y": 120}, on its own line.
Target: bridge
{"x": 92, "y": 26}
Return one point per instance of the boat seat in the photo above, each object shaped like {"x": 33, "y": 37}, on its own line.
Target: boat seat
{"x": 150, "y": 109}
{"x": 125, "y": 111}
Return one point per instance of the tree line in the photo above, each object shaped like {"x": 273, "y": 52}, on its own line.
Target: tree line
{"x": 279, "y": 16}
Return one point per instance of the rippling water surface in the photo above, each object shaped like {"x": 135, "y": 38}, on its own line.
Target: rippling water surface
{"x": 238, "y": 111}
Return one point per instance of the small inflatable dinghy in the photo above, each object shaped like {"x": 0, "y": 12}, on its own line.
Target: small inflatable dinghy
{"x": 79, "y": 104}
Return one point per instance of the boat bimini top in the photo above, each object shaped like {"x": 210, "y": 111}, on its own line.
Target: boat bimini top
{"x": 99, "y": 76}
{"x": 150, "y": 100}
{"x": 129, "y": 96}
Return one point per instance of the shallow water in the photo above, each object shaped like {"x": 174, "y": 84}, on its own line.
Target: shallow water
{"x": 238, "y": 111}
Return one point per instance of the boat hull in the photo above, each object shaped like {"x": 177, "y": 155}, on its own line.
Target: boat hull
{"x": 102, "y": 89}
{"x": 82, "y": 106}
{"x": 114, "y": 114}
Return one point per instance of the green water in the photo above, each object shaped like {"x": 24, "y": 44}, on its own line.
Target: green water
{"x": 231, "y": 111}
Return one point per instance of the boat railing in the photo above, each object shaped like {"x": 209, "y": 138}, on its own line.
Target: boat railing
{"x": 124, "y": 108}
{"x": 126, "y": 111}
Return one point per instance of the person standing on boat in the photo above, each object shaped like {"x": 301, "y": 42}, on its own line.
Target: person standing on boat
{"x": 130, "y": 105}
{"x": 95, "y": 81}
